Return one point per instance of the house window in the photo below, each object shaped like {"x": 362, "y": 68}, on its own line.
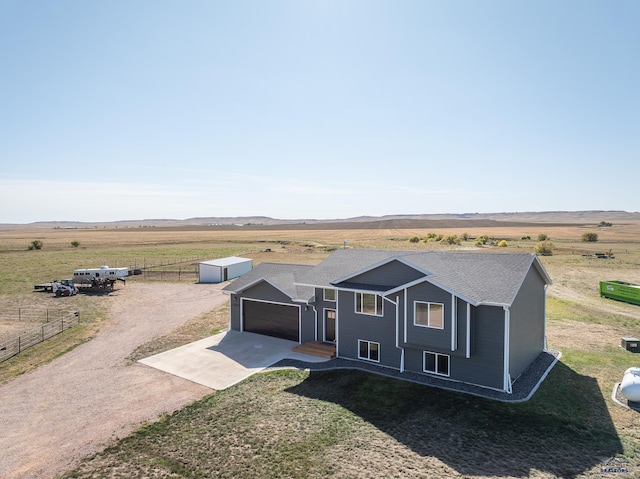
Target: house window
{"x": 330, "y": 295}
{"x": 436, "y": 363}
{"x": 368, "y": 350}
{"x": 367, "y": 303}
{"x": 430, "y": 315}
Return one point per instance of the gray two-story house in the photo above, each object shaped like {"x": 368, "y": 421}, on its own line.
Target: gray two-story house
{"x": 471, "y": 317}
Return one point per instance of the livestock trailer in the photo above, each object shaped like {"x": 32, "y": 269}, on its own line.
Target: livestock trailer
{"x": 223, "y": 269}
{"x": 620, "y": 290}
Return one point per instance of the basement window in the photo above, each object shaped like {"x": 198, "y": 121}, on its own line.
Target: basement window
{"x": 436, "y": 363}
{"x": 368, "y": 350}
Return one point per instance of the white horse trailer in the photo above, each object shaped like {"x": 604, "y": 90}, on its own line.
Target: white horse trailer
{"x": 99, "y": 278}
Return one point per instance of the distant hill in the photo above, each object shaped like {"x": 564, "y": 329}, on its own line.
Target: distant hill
{"x": 365, "y": 222}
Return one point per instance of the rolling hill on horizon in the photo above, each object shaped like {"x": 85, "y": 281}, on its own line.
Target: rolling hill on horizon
{"x": 365, "y": 222}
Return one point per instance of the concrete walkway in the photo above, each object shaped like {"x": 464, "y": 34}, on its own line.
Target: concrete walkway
{"x": 222, "y": 360}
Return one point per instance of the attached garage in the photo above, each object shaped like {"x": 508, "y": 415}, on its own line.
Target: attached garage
{"x": 271, "y": 319}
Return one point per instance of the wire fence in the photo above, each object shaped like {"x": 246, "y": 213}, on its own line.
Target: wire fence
{"x": 56, "y": 322}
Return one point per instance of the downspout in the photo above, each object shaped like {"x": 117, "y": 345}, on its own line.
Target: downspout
{"x": 396, "y": 303}
{"x": 468, "y": 346}
{"x": 454, "y": 323}
{"x": 507, "y": 377}
{"x": 315, "y": 329}
{"x": 545, "y": 345}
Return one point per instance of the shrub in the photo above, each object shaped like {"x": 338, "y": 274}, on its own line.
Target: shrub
{"x": 36, "y": 244}
{"x": 502, "y": 244}
{"x": 544, "y": 247}
{"x": 75, "y": 244}
{"x": 484, "y": 239}
{"x": 414, "y": 239}
{"x": 604, "y": 223}
{"x": 465, "y": 237}
{"x": 525, "y": 238}
{"x": 450, "y": 239}
{"x": 432, "y": 237}
{"x": 542, "y": 237}
{"x": 590, "y": 237}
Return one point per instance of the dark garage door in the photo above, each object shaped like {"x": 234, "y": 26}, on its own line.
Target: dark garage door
{"x": 276, "y": 320}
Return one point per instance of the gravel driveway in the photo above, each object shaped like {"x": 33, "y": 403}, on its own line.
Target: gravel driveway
{"x": 67, "y": 409}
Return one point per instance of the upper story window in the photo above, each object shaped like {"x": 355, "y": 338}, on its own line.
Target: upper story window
{"x": 367, "y": 303}
{"x": 329, "y": 294}
{"x": 430, "y": 315}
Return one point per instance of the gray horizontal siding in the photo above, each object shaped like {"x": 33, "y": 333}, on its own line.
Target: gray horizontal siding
{"x": 527, "y": 317}
{"x": 421, "y": 336}
{"x": 353, "y": 327}
{"x": 392, "y": 274}
{"x": 486, "y": 365}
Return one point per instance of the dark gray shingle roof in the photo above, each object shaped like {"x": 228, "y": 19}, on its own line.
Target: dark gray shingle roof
{"x": 476, "y": 276}
{"x": 284, "y": 277}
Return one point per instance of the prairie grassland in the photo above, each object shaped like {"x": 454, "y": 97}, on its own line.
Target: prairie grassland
{"x": 349, "y": 424}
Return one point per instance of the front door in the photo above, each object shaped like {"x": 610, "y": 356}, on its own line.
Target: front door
{"x": 330, "y": 325}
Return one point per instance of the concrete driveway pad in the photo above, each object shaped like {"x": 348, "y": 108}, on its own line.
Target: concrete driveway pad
{"x": 222, "y": 360}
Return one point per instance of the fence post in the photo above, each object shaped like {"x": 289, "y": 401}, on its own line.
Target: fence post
{"x": 62, "y": 324}
{"x": 19, "y": 344}
{"x": 42, "y": 332}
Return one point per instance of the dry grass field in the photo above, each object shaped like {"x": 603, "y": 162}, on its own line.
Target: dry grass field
{"x": 568, "y": 429}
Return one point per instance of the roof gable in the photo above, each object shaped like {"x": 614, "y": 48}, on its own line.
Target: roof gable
{"x": 387, "y": 274}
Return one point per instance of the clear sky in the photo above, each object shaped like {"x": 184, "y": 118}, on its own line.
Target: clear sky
{"x": 115, "y": 110}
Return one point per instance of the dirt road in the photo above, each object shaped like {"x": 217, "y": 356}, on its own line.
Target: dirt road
{"x": 71, "y": 407}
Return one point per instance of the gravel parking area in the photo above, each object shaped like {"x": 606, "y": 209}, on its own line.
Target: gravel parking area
{"x": 72, "y": 407}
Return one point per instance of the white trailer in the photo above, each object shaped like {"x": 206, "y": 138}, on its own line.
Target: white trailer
{"x": 223, "y": 269}
{"x": 100, "y": 278}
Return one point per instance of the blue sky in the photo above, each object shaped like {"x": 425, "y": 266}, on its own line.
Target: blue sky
{"x": 114, "y": 110}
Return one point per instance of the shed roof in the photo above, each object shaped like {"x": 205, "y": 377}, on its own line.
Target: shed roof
{"x": 225, "y": 261}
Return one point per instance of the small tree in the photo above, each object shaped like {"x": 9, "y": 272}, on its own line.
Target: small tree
{"x": 544, "y": 248}
{"x": 542, "y": 237}
{"x": 75, "y": 244}
{"x": 36, "y": 244}
{"x": 590, "y": 237}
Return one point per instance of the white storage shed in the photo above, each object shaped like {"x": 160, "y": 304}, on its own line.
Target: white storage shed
{"x": 223, "y": 269}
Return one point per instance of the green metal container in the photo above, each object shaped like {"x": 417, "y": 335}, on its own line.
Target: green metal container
{"x": 620, "y": 290}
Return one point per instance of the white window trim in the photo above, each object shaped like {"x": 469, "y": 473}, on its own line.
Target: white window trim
{"x": 324, "y": 295}
{"x": 376, "y": 313}
{"x": 428, "y": 325}
{"x": 369, "y": 343}
{"x": 437, "y": 355}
